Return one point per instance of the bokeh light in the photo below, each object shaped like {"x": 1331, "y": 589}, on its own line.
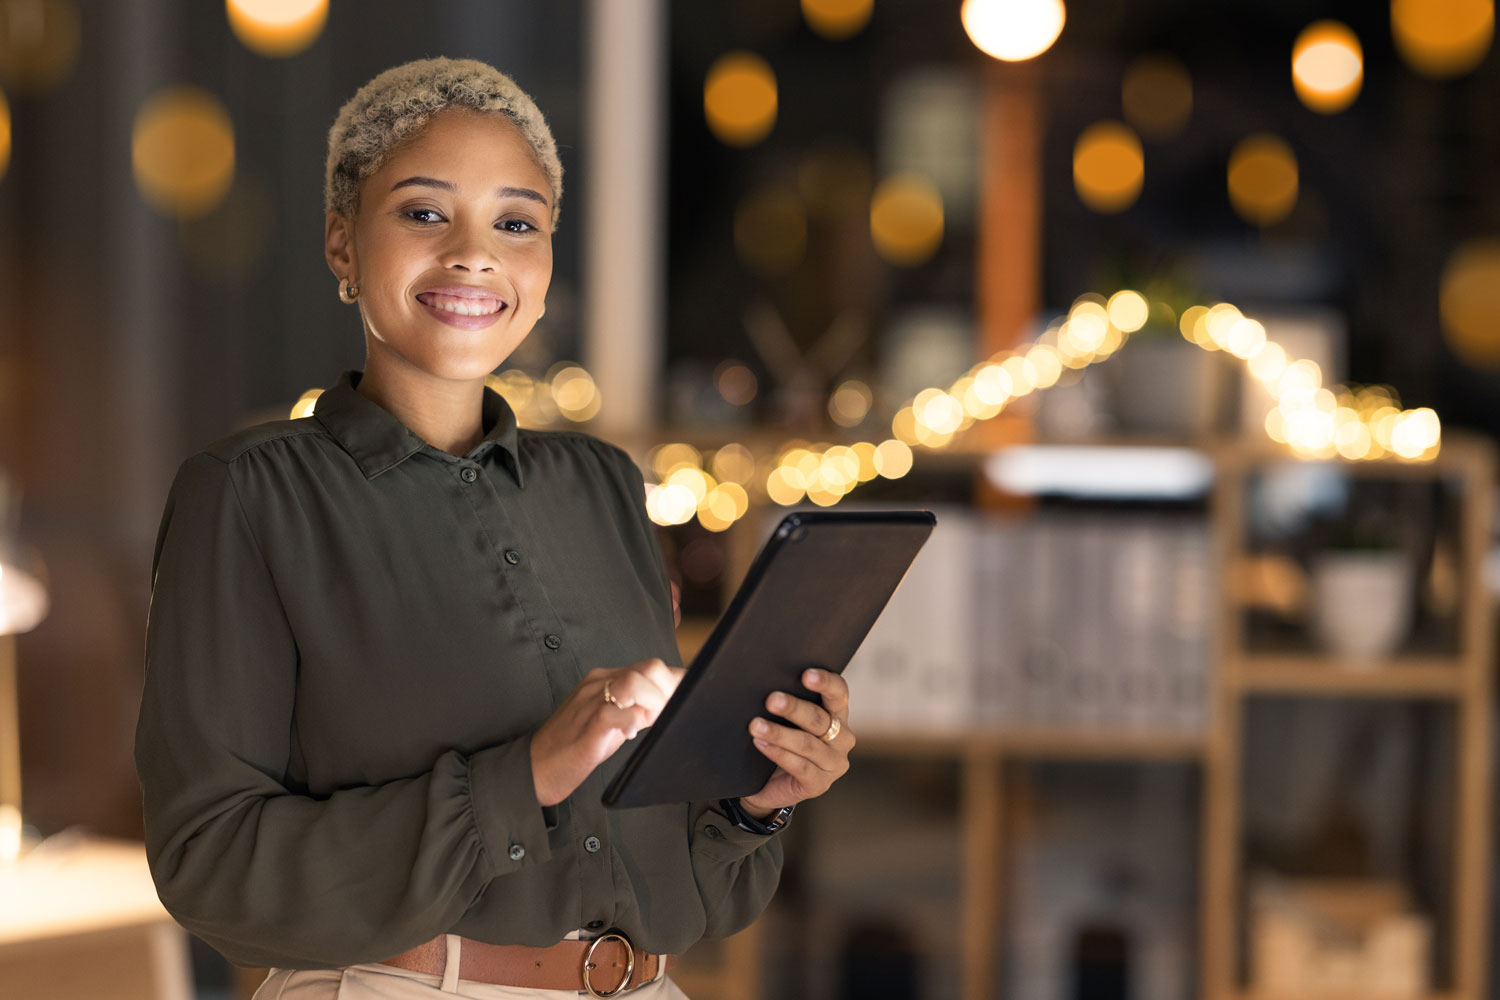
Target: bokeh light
{"x": 574, "y": 391}
{"x": 1443, "y": 38}
{"x": 892, "y": 458}
{"x": 850, "y": 403}
{"x": 1262, "y": 179}
{"x": 1327, "y": 66}
{"x": 1108, "y": 167}
{"x": 4, "y": 134}
{"x": 735, "y": 382}
{"x": 739, "y": 98}
{"x": 906, "y": 219}
{"x": 1013, "y": 30}
{"x": 277, "y": 28}
{"x": 770, "y": 230}
{"x": 1157, "y": 95}
{"x": 1469, "y": 302}
{"x": 38, "y": 42}
{"x": 1128, "y": 310}
{"x": 837, "y": 19}
{"x": 306, "y": 403}
{"x": 733, "y": 463}
{"x": 182, "y": 151}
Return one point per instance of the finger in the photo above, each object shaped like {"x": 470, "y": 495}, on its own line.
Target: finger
{"x": 631, "y": 687}
{"x": 832, "y": 688}
{"x": 799, "y": 742}
{"x": 800, "y": 712}
{"x": 665, "y": 677}
{"x": 810, "y": 779}
{"x": 629, "y": 720}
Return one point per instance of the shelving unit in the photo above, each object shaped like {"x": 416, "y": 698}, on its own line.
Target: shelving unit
{"x": 1462, "y": 681}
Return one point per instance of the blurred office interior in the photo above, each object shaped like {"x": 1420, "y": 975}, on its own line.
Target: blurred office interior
{"x": 1184, "y": 317}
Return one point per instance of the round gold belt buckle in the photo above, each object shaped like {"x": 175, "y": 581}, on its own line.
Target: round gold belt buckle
{"x": 588, "y": 965}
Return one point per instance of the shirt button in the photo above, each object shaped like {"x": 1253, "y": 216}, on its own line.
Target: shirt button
{"x": 591, "y": 845}
{"x": 517, "y": 852}
{"x": 552, "y": 641}
{"x": 467, "y": 474}
{"x": 512, "y": 556}
{"x": 594, "y": 925}
{"x": 713, "y": 832}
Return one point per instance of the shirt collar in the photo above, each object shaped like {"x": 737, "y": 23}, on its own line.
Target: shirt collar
{"x": 378, "y": 441}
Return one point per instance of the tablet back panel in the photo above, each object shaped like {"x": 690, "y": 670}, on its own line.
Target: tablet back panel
{"x": 808, "y": 601}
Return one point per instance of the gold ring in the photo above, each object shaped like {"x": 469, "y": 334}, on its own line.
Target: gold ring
{"x": 833, "y": 730}
{"x": 609, "y": 697}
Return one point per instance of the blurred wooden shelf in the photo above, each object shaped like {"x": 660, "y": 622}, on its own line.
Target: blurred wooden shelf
{"x": 1040, "y": 744}
{"x": 1401, "y": 677}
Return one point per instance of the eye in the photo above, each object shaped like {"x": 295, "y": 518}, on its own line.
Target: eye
{"x": 516, "y": 226}
{"x": 425, "y": 216}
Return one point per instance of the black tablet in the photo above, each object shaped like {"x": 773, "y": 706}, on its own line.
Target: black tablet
{"x": 810, "y": 598}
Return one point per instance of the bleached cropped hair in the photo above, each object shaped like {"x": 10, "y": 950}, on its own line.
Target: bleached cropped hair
{"x": 397, "y": 103}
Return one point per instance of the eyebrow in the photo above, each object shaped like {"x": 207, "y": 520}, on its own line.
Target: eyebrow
{"x": 504, "y": 192}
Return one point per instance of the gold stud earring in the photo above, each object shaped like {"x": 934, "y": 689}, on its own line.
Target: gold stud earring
{"x": 347, "y": 292}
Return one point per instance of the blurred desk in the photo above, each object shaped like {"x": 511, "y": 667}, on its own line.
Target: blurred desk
{"x": 80, "y": 920}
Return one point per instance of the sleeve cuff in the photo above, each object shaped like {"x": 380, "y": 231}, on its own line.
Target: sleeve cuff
{"x": 716, "y": 836}
{"x": 512, "y": 824}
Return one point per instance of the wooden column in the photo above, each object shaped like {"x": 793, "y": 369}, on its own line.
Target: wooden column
{"x": 1008, "y": 266}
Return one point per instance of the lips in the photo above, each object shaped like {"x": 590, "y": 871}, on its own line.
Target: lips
{"x": 461, "y": 300}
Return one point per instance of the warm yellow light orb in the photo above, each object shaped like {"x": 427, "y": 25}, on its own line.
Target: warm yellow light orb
{"x": 770, "y": 230}
{"x": 1469, "y": 302}
{"x": 1108, "y": 167}
{"x": 4, "y": 134}
{"x": 38, "y": 42}
{"x": 1443, "y": 38}
{"x": 277, "y": 28}
{"x": 1328, "y": 66}
{"x": 1157, "y": 95}
{"x": 1128, "y": 310}
{"x": 739, "y": 98}
{"x": 1013, "y": 30}
{"x": 1263, "y": 179}
{"x": 305, "y": 404}
{"x": 837, "y": 19}
{"x": 182, "y": 151}
{"x": 893, "y": 458}
{"x": 576, "y": 394}
{"x": 906, "y": 219}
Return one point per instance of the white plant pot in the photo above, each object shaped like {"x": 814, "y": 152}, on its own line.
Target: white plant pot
{"x": 1362, "y": 603}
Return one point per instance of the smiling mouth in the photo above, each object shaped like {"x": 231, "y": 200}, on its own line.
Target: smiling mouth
{"x": 483, "y": 305}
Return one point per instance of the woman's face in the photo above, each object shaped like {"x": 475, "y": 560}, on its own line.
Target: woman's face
{"x": 451, "y": 246}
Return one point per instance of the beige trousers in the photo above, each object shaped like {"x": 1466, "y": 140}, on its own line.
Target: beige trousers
{"x": 373, "y": 981}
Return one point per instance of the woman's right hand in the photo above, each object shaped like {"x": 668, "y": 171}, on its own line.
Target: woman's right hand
{"x": 586, "y": 730}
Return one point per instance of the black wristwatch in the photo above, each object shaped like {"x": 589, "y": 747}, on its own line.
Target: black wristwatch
{"x": 750, "y": 824}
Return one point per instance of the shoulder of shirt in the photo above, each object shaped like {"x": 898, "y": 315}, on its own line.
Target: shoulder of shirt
{"x": 230, "y": 447}
{"x": 576, "y": 439}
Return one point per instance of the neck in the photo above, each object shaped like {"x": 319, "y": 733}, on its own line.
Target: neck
{"x": 446, "y": 413}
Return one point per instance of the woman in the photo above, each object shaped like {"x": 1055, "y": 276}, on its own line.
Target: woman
{"x": 394, "y": 648}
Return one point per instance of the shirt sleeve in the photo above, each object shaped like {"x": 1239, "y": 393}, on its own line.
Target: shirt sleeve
{"x": 736, "y": 871}
{"x": 267, "y": 876}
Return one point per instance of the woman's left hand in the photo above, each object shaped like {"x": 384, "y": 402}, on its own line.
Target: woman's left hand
{"x": 807, "y": 764}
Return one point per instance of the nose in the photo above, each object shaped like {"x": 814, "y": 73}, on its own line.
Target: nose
{"x": 469, "y": 250}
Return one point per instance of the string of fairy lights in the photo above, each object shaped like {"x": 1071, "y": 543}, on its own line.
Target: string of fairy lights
{"x": 1314, "y": 421}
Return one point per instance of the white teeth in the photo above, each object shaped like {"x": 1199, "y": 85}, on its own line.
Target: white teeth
{"x": 464, "y": 307}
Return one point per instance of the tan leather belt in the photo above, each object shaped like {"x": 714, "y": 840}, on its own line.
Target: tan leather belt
{"x": 604, "y": 967}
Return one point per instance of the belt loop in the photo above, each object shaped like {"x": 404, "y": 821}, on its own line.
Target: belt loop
{"x": 455, "y": 959}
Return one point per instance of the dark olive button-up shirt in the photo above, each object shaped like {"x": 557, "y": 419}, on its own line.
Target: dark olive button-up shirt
{"x": 352, "y": 636}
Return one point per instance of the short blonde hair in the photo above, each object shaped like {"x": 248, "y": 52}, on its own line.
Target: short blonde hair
{"x": 396, "y": 104}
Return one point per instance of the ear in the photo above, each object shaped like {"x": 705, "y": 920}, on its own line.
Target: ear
{"x": 338, "y": 246}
